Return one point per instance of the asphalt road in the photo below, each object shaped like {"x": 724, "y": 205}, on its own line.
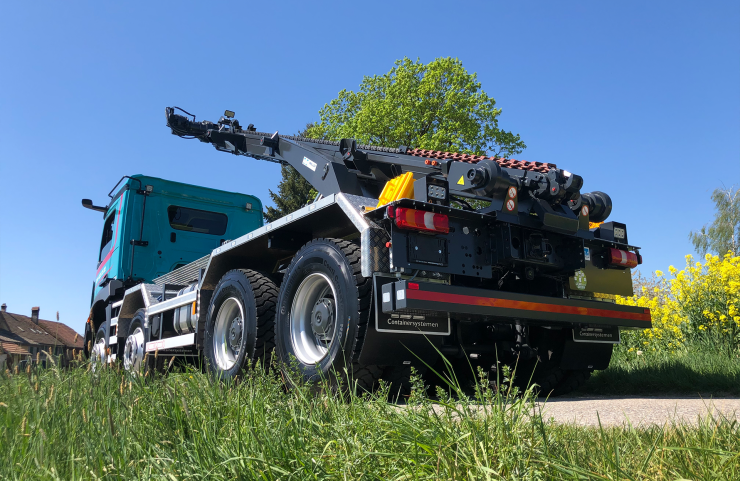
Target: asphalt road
{"x": 638, "y": 411}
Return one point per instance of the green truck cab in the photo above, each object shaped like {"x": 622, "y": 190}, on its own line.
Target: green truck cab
{"x": 153, "y": 226}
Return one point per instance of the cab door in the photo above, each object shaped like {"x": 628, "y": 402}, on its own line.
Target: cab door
{"x": 193, "y": 232}
{"x": 109, "y": 254}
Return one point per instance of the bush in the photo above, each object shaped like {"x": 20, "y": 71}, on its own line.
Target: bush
{"x": 701, "y": 302}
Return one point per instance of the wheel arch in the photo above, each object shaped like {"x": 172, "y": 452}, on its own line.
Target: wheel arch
{"x": 108, "y": 294}
{"x": 134, "y": 299}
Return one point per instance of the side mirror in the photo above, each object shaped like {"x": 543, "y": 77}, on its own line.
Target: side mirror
{"x": 87, "y": 204}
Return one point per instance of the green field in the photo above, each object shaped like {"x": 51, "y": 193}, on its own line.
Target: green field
{"x": 73, "y": 424}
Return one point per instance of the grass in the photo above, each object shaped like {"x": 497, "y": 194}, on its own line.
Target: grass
{"x": 73, "y": 424}
{"x": 701, "y": 368}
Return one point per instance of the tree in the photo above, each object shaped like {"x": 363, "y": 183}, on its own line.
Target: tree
{"x": 293, "y": 190}
{"x": 723, "y": 235}
{"x": 437, "y": 106}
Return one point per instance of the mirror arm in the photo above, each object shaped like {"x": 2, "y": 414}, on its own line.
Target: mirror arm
{"x": 87, "y": 204}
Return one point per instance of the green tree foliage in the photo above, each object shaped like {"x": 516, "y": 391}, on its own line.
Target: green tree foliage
{"x": 293, "y": 190}
{"x": 437, "y": 106}
{"x": 723, "y": 235}
{"x": 293, "y": 193}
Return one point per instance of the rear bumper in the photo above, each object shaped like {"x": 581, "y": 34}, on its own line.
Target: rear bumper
{"x": 480, "y": 304}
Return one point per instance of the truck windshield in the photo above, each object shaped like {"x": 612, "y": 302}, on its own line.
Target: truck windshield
{"x": 107, "y": 242}
{"x": 194, "y": 220}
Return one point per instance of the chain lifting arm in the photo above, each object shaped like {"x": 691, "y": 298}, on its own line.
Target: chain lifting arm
{"x": 550, "y": 194}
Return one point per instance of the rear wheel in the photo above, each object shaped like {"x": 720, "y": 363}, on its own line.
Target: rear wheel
{"x": 553, "y": 381}
{"x": 324, "y": 307}
{"x": 545, "y": 371}
{"x": 398, "y": 379}
{"x": 240, "y": 325}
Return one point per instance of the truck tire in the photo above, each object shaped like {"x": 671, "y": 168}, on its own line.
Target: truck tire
{"x": 323, "y": 310}
{"x": 88, "y": 341}
{"x": 240, "y": 323}
{"x": 571, "y": 381}
{"x": 135, "y": 343}
{"x": 398, "y": 378}
{"x": 545, "y": 370}
{"x": 555, "y": 381}
{"x": 99, "y": 351}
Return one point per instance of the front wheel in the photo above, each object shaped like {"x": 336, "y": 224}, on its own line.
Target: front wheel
{"x": 135, "y": 347}
{"x": 99, "y": 351}
{"x": 323, "y": 310}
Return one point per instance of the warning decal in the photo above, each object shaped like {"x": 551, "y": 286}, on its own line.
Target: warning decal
{"x": 461, "y": 181}
{"x": 512, "y": 192}
{"x": 580, "y": 280}
{"x": 510, "y": 204}
{"x": 584, "y": 210}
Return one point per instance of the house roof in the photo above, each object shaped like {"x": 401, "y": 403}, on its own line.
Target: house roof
{"x": 6, "y": 336}
{"x": 22, "y": 330}
{"x": 64, "y": 334}
{"x": 10, "y": 348}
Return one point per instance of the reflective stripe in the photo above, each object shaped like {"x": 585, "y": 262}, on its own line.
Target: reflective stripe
{"x": 623, "y": 258}
{"x": 525, "y": 305}
{"x": 421, "y": 220}
{"x": 429, "y": 220}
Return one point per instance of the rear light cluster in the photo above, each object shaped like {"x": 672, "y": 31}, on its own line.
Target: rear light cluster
{"x": 419, "y": 220}
{"x": 622, "y": 258}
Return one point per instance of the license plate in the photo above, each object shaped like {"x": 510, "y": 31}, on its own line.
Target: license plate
{"x": 413, "y": 324}
{"x": 609, "y": 335}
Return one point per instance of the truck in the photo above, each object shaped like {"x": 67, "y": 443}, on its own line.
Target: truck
{"x": 405, "y": 258}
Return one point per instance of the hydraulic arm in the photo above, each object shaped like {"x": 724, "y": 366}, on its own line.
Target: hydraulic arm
{"x": 528, "y": 193}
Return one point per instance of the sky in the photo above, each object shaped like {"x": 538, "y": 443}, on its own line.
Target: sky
{"x": 642, "y": 99}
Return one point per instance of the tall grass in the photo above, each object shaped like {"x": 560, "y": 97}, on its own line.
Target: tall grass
{"x": 699, "y": 367}
{"x": 73, "y": 424}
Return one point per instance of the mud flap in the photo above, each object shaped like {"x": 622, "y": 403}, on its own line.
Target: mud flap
{"x": 586, "y": 355}
{"x": 390, "y": 348}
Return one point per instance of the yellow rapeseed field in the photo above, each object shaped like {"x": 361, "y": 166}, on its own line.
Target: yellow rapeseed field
{"x": 701, "y": 300}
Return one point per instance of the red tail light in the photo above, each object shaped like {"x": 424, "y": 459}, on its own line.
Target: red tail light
{"x": 623, "y": 258}
{"x": 420, "y": 220}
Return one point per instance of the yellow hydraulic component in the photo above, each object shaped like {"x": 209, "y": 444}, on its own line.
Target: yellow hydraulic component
{"x": 594, "y": 225}
{"x": 401, "y": 187}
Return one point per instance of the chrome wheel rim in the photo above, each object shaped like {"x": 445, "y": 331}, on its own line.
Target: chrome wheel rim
{"x": 313, "y": 318}
{"x": 133, "y": 353}
{"x": 98, "y": 357}
{"x": 228, "y": 333}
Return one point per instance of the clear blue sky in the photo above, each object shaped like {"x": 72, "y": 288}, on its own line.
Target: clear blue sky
{"x": 640, "y": 98}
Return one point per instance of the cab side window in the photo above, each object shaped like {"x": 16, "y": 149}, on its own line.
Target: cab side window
{"x": 194, "y": 220}
{"x": 107, "y": 242}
